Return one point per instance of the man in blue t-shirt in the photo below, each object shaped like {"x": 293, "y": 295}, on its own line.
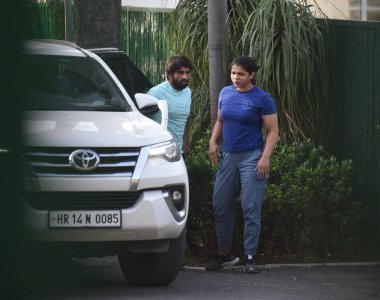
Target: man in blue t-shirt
{"x": 178, "y": 96}
{"x": 243, "y": 110}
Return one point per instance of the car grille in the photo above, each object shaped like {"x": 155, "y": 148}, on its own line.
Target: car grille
{"x": 55, "y": 161}
{"x": 81, "y": 200}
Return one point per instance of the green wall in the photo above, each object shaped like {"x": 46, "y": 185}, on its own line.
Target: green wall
{"x": 353, "y": 49}
{"x": 142, "y": 38}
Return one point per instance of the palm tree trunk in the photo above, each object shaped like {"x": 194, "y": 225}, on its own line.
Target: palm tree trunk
{"x": 97, "y": 23}
{"x": 217, "y": 16}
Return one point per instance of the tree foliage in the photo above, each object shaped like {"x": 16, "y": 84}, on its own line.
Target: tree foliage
{"x": 286, "y": 40}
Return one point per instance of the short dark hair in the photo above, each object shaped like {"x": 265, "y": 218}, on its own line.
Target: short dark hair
{"x": 247, "y": 62}
{"x": 176, "y": 62}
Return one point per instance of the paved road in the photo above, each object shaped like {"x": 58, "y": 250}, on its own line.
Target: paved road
{"x": 102, "y": 279}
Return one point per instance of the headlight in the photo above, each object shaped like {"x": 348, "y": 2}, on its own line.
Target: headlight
{"x": 168, "y": 150}
{"x": 4, "y": 151}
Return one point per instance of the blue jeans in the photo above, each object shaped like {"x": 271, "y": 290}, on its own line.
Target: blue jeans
{"x": 238, "y": 170}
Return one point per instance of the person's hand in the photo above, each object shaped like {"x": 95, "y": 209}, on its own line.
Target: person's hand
{"x": 263, "y": 167}
{"x": 214, "y": 152}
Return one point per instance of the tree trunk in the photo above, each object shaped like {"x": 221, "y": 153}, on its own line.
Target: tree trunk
{"x": 217, "y": 17}
{"x": 97, "y": 23}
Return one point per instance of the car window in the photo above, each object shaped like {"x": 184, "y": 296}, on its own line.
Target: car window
{"x": 71, "y": 83}
{"x": 129, "y": 75}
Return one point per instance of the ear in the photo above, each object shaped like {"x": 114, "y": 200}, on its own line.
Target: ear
{"x": 252, "y": 75}
{"x": 169, "y": 76}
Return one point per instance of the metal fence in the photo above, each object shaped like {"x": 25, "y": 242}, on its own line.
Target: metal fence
{"x": 142, "y": 38}
{"x": 353, "y": 49}
{"x": 142, "y": 34}
{"x": 45, "y": 20}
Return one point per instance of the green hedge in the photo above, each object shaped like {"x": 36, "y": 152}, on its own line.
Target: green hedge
{"x": 309, "y": 207}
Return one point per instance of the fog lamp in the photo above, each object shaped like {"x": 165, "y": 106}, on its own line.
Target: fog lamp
{"x": 176, "y": 196}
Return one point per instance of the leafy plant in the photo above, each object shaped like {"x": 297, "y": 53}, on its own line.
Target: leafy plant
{"x": 200, "y": 226}
{"x": 285, "y": 38}
{"x": 309, "y": 196}
{"x": 287, "y": 41}
{"x": 309, "y": 207}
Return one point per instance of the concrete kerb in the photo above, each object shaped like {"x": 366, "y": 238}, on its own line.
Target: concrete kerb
{"x": 298, "y": 265}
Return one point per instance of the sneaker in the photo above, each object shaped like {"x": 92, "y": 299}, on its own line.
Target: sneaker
{"x": 221, "y": 262}
{"x": 250, "y": 266}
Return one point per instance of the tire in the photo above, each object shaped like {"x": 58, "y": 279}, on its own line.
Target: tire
{"x": 154, "y": 269}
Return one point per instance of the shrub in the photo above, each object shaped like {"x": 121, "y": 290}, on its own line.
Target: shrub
{"x": 200, "y": 225}
{"x": 309, "y": 205}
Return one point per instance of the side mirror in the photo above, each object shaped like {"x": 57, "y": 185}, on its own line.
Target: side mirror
{"x": 144, "y": 100}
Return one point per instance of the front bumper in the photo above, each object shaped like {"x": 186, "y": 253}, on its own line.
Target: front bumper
{"x": 151, "y": 218}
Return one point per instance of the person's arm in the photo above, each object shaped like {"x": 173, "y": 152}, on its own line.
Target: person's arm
{"x": 214, "y": 150}
{"x": 271, "y": 126}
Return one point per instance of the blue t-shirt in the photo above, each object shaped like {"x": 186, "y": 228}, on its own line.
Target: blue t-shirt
{"x": 241, "y": 113}
{"x": 179, "y": 103}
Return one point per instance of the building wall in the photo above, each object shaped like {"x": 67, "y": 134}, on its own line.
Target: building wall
{"x": 155, "y": 5}
{"x": 335, "y": 9}
{"x": 366, "y": 10}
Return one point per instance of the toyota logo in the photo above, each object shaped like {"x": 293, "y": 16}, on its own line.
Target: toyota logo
{"x": 84, "y": 160}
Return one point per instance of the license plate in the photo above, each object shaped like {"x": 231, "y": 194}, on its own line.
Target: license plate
{"x": 85, "y": 218}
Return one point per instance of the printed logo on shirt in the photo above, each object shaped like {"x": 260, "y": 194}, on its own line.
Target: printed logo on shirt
{"x": 247, "y": 105}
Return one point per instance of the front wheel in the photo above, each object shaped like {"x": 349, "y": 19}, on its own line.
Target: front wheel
{"x": 149, "y": 269}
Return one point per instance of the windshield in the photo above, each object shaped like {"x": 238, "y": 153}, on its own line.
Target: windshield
{"x": 71, "y": 83}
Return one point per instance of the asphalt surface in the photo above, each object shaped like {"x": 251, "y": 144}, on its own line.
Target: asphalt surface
{"x": 102, "y": 279}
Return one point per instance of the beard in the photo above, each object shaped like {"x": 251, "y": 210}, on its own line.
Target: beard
{"x": 179, "y": 85}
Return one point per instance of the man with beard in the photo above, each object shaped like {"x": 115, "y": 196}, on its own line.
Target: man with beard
{"x": 178, "y": 96}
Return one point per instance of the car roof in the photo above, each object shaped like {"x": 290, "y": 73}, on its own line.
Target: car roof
{"x": 105, "y": 50}
{"x": 53, "y": 47}
{"x": 108, "y": 52}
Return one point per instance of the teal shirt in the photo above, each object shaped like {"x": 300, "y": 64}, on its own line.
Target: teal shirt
{"x": 179, "y": 103}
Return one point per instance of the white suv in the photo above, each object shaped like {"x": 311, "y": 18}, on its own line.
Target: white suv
{"x": 99, "y": 178}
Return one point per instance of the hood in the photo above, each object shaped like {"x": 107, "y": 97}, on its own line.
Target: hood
{"x": 90, "y": 129}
